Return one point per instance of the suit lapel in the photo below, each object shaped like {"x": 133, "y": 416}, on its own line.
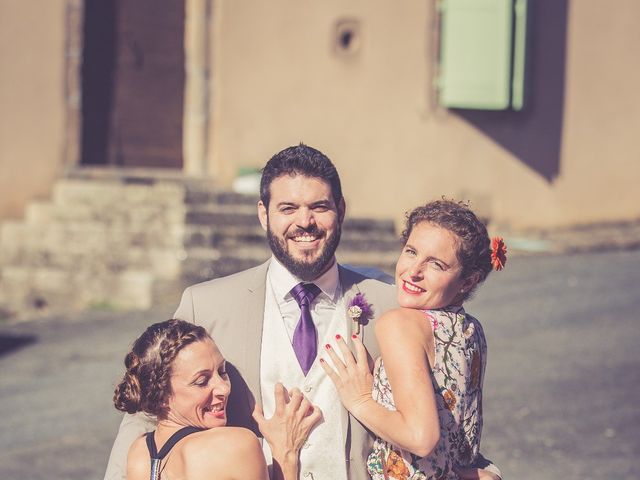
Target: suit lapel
{"x": 381, "y": 297}
{"x": 253, "y": 320}
{"x": 357, "y": 436}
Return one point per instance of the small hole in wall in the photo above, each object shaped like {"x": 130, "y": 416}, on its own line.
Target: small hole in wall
{"x": 347, "y": 37}
{"x": 39, "y": 303}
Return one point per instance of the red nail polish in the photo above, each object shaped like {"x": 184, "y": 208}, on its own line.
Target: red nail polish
{"x": 327, "y": 346}
{"x": 322, "y": 360}
{"x": 354, "y": 336}
{"x": 338, "y": 337}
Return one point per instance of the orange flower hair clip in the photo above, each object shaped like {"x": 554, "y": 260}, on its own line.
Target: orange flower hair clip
{"x": 498, "y": 253}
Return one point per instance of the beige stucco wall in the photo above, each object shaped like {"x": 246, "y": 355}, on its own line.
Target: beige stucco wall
{"x": 31, "y": 100}
{"x": 601, "y": 156}
{"x": 277, "y": 81}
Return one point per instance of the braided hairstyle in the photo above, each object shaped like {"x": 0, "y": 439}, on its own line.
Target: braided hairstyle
{"x": 146, "y": 385}
{"x": 474, "y": 248}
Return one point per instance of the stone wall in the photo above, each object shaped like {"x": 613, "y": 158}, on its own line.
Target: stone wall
{"x": 123, "y": 241}
{"x": 96, "y": 243}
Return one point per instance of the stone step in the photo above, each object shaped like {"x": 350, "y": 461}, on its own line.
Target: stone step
{"x": 39, "y": 212}
{"x": 370, "y": 225}
{"x": 204, "y": 236}
{"x": 163, "y": 263}
{"x": 118, "y": 194}
{"x": 197, "y": 197}
{"x": 207, "y": 216}
{"x": 86, "y": 235}
{"x": 204, "y": 264}
{"x": 221, "y": 236}
{"x": 196, "y": 190}
{"x": 360, "y": 242}
{"x": 83, "y": 234}
{"x": 259, "y": 254}
{"x": 123, "y": 239}
{"x": 198, "y": 269}
{"x": 109, "y": 214}
{"x": 53, "y": 290}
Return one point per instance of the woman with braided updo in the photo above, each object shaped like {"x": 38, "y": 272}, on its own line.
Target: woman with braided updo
{"x": 176, "y": 373}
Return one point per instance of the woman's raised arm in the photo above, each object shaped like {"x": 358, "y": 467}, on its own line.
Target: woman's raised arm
{"x": 402, "y": 335}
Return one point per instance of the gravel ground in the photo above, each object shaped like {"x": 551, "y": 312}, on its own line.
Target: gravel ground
{"x": 561, "y": 393}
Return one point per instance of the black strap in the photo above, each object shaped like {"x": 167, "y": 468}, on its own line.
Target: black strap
{"x": 173, "y": 439}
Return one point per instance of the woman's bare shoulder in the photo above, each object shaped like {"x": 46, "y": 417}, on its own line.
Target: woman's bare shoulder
{"x": 220, "y": 449}
{"x": 138, "y": 460}
{"x": 222, "y": 438}
{"x": 406, "y": 318}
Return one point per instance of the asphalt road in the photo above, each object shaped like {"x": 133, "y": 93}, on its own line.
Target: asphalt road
{"x": 562, "y": 392}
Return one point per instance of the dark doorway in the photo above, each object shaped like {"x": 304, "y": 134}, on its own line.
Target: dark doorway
{"x": 133, "y": 83}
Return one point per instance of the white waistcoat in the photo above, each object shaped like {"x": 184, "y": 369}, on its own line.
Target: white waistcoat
{"x": 323, "y": 456}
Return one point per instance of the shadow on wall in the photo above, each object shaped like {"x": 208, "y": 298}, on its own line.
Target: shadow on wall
{"x": 534, "y": 134}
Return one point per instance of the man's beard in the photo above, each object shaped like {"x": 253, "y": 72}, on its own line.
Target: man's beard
{"x": 305, "y": 270}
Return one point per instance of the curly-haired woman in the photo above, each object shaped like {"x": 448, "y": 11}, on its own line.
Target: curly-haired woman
{"x": 424, "y": 399}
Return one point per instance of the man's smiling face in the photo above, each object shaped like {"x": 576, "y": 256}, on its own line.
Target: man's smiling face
{"x": 303, "y": 224}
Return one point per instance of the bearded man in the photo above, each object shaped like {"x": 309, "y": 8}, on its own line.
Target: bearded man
{"x": 269, "y": 321}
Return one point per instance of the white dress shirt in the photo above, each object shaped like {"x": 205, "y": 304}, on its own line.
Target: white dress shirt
{"x": 323, "y": 455}
{"x": 280, "y": 282}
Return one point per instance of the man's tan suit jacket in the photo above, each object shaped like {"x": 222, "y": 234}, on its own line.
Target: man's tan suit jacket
{"x": 232, "y": 310}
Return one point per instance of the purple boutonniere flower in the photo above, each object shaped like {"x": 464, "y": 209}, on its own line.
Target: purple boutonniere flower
{"x": 360, "y": 311}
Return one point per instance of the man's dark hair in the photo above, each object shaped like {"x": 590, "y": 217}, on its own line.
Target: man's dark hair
{"x": 300, "y": 160}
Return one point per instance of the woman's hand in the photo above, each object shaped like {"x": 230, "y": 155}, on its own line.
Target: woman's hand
{"x": 402, "y": 336}
{"x": 352, "y": 377}
{"x": 294, "y": 418}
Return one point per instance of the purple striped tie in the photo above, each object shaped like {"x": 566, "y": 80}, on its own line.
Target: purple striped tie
{"x": 305, "y": 343}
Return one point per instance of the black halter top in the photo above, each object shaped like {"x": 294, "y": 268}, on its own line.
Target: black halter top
{"x": 156, "y": 457}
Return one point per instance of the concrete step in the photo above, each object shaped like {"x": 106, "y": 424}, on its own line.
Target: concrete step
{"x": 91, "y": 233}
{"x": 164, "y": 263}
{"x": 85, "y": 235}
{"x": 224, "y": 237}
{"x": 50, "y": 290}
{"x": 129, "y": 240}
{"x": 200, "y": 269}
{"x": 204, "y": 236}
{"x": 213, "y": 216}
{"x": 38, "y": 213}
{"x": 206, "y": 263}
{"x": 115, "y": 193}
{"x": 196, "y": 197}
{"x": 43, "y": 212}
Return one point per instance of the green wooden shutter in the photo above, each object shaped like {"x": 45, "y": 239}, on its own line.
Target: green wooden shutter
{"x": 519, "y": 51}
{"x": 476, "y": 54}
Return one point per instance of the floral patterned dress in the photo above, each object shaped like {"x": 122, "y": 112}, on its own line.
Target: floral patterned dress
{"x": 458, "y": 372}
